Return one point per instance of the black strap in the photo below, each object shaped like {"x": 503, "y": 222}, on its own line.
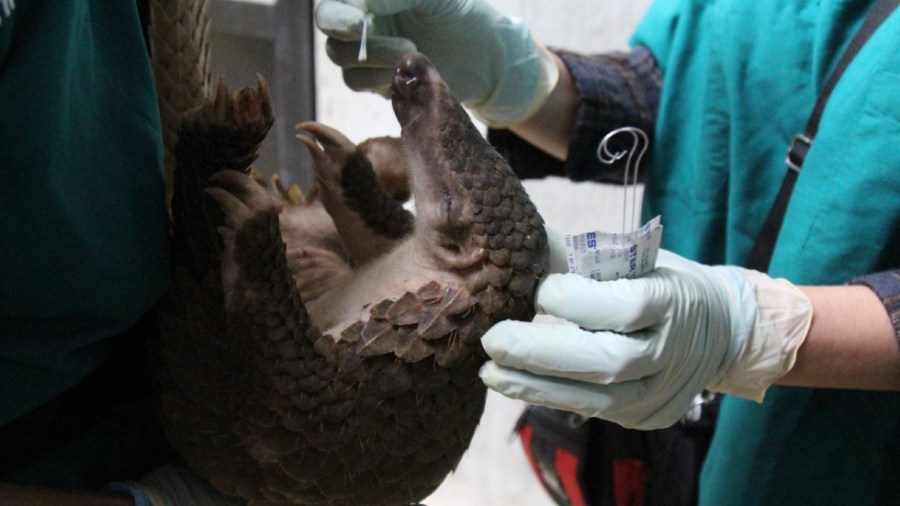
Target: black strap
{"x": 762, "y": 250}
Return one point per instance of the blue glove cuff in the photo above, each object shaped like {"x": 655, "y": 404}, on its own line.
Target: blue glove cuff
{"x": 136, "y": 493}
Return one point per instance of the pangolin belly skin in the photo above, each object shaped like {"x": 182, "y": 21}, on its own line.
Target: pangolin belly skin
{"x": 311, "y": 360}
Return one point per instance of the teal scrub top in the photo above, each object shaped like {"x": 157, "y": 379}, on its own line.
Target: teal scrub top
{"x": 740, "y": 78}
{"x": 83, "y": 226}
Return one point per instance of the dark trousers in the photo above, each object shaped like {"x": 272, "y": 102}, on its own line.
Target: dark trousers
{"x": 104, "y": 428}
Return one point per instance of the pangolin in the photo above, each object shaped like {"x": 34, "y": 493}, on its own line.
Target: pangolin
{"x": 326, "y": 352}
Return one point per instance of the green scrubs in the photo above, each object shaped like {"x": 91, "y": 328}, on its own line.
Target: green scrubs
{"x": 83, "y": 227}
{"x": 740, "y": 78}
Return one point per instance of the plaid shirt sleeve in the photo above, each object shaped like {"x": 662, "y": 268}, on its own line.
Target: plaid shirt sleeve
{"x": 615, "y": 90}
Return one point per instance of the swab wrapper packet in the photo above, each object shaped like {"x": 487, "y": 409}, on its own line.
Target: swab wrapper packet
{"x": 607, "y": 256}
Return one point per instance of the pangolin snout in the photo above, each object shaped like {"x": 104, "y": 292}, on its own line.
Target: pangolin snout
{"x": 410, "y": 74}
{"x": 417, "y": 87}
{"x": 419, "y": 92}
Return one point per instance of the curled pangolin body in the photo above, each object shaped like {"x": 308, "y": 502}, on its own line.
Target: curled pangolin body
{"x": 311, "y": 360}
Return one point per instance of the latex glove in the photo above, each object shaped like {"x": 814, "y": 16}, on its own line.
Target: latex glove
{"x": 559, "y": 260}
{"x": 172, "y": 485}
{"x": 489, "y": 60}
{"x": 647, "y": 347}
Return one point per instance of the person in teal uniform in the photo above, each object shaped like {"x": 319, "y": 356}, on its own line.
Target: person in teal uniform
{"x": 807, "y": 352}
{"x": 84, "y": 256}
{"x": 83, "y": 243}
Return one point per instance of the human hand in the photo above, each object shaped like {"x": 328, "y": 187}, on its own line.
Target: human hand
{"x": 645, "y": 348}
{"x": 559, "y": 260}
{"x": 489, "y": 60}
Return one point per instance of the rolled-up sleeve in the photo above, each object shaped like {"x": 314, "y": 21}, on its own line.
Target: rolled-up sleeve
{"x": 615, "y": 90}
{"x": 887, "y": 286}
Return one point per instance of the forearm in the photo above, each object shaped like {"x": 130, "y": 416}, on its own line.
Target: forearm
{"x": 26, "y": 495}
{"x": 851, "y": 342}
{"x": 550, "y": 128}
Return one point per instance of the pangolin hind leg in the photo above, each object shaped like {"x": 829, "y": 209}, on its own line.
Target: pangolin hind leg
{"x": 233, "y": 305}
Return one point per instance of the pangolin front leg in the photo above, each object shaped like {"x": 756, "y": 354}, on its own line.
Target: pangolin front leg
{"x": 370, "y": 221}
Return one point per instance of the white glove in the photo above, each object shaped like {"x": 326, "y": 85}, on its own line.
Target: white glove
{"x": 490, "y": 61}
{"x": 172, "y": 485}
{"x": 662, "y": 340}
{"x": 559, "y": 259}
